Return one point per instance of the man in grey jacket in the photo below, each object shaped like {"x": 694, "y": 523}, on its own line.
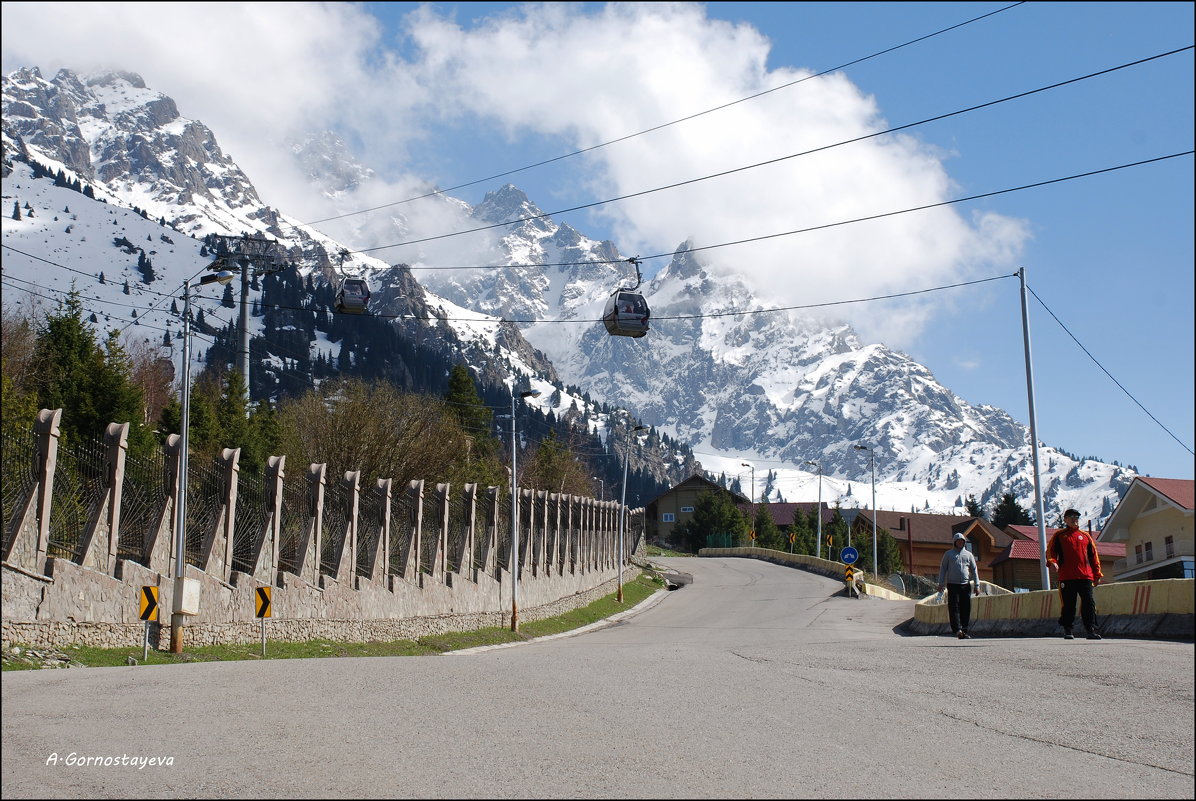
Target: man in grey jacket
{"x": 957, "y": 570}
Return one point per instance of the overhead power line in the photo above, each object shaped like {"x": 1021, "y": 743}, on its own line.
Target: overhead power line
{"x": 779, "y": 159}
{"x": 671, "y": 123}
{"x": 1095, "y": 361}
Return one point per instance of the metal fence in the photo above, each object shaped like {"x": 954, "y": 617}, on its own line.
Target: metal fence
{"x": 402, "y": 527}
{"x": 369, "y": 530}
{"x": 141, "y": 502}
{"x": 294, "y": 518}
{"x": 249, "y": 524}
{"x": 429, "y": 534}
{"x": 458, "y": 531}
{"x": 205, "y": 496}
{"x": 334, "y": 526}
{"x": 80, "y": 479}
{"x": 18, "y": 475}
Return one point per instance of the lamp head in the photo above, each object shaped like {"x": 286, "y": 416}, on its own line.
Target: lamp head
{"x": 222, "y": 277}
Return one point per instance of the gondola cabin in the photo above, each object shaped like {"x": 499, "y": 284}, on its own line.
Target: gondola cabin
{"x": 626, "y": 314}
{"x": 353, "y": 297}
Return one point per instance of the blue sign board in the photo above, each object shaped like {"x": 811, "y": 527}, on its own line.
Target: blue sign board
{"x": 849, "y": 556}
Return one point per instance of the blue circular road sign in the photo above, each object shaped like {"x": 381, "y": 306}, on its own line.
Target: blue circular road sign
{"x": 849, "y": 556}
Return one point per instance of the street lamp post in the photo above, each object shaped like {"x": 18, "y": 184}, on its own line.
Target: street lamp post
{"x": 529, "y": 393}
{"x": 753, "y": 469}
{"x": 623, "y": 511}
{"x": 872, "y": 458}
{"x": 180, "y": 511}
{"x": 818, "y": 546}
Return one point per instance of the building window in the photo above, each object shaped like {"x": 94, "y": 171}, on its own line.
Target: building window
{"x": 1138, "y": 554}
{"x": 1149, "y": 552}
{"x": 1169, "y": 542}
{"x": 689, "y": 509}
{"x": 1188, "y": 566}
{"x": 667, "y": 517}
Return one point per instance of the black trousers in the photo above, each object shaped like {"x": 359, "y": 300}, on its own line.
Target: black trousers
{"x": 959, "y": 606}
{"x": 1070, "y": 590}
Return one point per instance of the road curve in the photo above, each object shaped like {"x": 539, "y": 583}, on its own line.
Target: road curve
{"x": 755, "y": 680}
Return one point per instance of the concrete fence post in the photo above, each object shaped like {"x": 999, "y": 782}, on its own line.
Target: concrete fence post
{"x": 266, "y": 553}
{"x": 415, "y": 496}
{"x": 48, "y": 433}
{"x": 307, "y": 558}
{"x": 222, "y": 551}
{"x": 116, "y": 438}
{"x": 465, "y": 560}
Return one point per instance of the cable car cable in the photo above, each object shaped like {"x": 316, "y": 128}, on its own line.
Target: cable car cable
{"x": 668, "y": 124}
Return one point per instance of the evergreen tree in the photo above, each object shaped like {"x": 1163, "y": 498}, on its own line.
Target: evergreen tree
{"x": 714, "y": 514}
{"x": 804, "y": 531}
{"x": 767, "y": 533}
{"x": 974, "y": 509}
{"x": 16, "y": 210}
{"x": 91, "y": 384}
{"x": 466, "y": 405}
{"x": 227, "y": 300}
{"x": 1009, "y": 512}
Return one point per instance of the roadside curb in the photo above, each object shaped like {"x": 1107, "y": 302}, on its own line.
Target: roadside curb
{"x": 643, "y": 605}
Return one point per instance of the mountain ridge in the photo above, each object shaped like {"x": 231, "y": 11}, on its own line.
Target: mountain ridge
{"x": 718, "y": 372}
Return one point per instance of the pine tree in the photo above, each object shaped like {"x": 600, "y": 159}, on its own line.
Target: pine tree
{"x": 90, "y": 383}
{"x": 767, "y": 533}
{"x": 714, "y": 514}
{"x": 1009, "y": 512}
{"x": 16, "y": 210}
{"x": 466, "y": 405}
{"x": 974, "y": 509}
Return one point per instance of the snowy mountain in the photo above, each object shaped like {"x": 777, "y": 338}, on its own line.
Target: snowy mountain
{"x": 714, "y": 374}
{"x": 723, "y": 376}
{"x": 110, "y": 192}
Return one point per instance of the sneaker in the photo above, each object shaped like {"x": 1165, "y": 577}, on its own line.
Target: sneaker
{"x": 963, "y": 635}
{"x": 1067, "y": 635}
{"x": 1092, "y": 635}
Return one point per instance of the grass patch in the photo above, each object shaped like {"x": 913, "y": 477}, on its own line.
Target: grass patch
{"x": 634, "y": 591}
{"x": 656, "y": 550}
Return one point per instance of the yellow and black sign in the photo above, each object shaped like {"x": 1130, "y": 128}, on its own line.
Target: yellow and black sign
{"x": 149, "y": 603}
{"x": 849, "y": 574}
{"x": 792, "y": 538}
{"x": 262, "y": 608}
{"x": 753, "y": 535}
{"x": 830, "y": 541}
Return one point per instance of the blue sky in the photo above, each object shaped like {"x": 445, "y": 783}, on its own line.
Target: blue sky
{"x": 452, "y": 93}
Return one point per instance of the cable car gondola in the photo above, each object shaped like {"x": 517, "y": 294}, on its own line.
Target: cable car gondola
{"x": 626, "y": 313}
{"x": 353, "y": 295}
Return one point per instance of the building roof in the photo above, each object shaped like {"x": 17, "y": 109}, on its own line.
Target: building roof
{"x": 700, "y": 482}
{"x": 1029, "y": 549}
{"x": 938, "y": 529}
{"x": 782, "y": 513}
{"x": 1175, "y": 492}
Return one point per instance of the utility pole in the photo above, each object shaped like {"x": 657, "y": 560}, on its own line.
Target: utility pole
{"x": 253, "y": 253}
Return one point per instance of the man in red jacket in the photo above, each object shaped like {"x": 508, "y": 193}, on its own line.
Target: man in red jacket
{"x": 1072, "y": 554}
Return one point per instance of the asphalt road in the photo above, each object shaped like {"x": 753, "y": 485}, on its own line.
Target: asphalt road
{"x": 753, "y": 681}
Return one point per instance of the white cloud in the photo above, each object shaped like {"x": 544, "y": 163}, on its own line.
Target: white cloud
{"x": 255, "y": 72}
